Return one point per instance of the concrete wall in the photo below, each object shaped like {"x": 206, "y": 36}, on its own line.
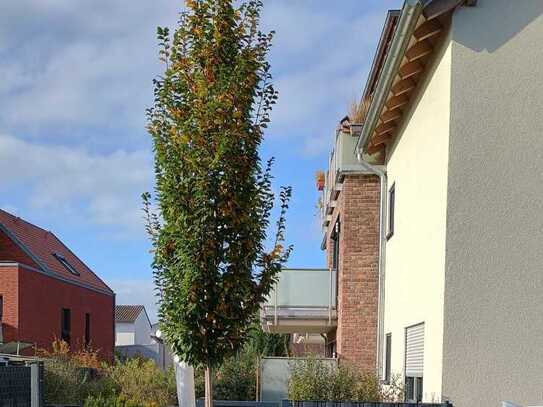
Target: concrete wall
{"x": 493, "y": 344}
{"x": 415, "y": 254}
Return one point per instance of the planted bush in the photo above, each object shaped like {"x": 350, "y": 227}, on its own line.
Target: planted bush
{"x": 77, "y": 377}
{"x": 70, "y": 377}
{"x": 109, "y": 401}
{"x": 314, "y": 379}
{"x": 141, "y": 382}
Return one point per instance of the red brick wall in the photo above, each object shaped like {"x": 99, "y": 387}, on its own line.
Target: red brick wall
{"x": 41, "y": 299}
{"x": 306, "y": 349}
{"x": 358, "y": 277}
{"x": 9, "y": 276}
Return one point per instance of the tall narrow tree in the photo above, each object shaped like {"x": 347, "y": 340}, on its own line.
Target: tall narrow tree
{"x": 211, "y": 106}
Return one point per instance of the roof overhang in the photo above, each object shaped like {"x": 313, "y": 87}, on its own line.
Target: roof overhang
{"x": 392, "y": 83}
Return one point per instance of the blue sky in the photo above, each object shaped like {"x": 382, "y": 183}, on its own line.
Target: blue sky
{"x": 75, "y": 83}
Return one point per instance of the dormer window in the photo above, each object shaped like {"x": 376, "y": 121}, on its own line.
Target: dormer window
{"x": 62, "y": 260}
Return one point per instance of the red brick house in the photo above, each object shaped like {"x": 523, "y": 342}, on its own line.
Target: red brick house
{"x": 47, "y": 292}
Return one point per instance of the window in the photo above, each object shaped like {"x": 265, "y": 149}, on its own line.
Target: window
{"x": 413, "y": 389}
{"x": 414, "y": 362}
{"x": 391, "y": 202}
{"x": 65, "y": 325}
{"x": 335, "y": 246}
{"x": 65, "y": 263}
{"x": 388, "y": 351}
{"x": 330, "y": 350}
{"x": 1, "y": 308}
{"x": 87, "y": 329}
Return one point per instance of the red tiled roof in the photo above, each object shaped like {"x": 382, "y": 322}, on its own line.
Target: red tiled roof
{"x": 41, "y": 244}
{"x": 128, "y": 313}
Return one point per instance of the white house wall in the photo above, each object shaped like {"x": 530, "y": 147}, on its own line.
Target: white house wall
{"x": 493, "y": 344}
{"x": 415, "y": 254}
{"x": 143, "y": 329}
{"x": 124, "y": 334}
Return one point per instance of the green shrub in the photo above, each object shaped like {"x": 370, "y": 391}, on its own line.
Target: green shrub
{"x": 74, "y": 377}
{"x": 140, "y": 381}
{"x": 67, "y": 382}
{"x": 109, "y": 401}
{"x": 236, "y": 378}
{"x": 314, "y": 379}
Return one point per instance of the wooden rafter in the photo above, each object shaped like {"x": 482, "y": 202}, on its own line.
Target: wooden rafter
{"x": 419, "y": 50}
{"x": 373, "y": 149}
{"x": 403, "y": 86}
{"x": 411, "y": 69}
{"x": 381, "y": 138}
{"x": 428, "y": 29}
{"x": 385, "y": 128}
{"x": 397, "y": 101}
{"x": 391, "y": 115}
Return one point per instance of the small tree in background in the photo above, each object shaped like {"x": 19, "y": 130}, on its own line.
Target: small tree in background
{"x": 211, "y": 107}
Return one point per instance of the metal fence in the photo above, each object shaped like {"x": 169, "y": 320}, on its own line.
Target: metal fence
{"x": 229, "y": 403}
{"x": 21, "y": 385}
{"x": 289, "y": 403}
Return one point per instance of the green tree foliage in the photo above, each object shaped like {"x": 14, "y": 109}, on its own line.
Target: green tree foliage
{"x": 214, "y": 196}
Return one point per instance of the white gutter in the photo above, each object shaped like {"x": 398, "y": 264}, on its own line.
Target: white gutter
{"x": 411, "y": 12}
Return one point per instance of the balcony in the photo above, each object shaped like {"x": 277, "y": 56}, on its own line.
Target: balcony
{"x": 343, "y": 161}
{"x": 302, "y": 301}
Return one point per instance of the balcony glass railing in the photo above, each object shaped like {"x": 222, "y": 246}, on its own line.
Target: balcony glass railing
{"x": 343, "y": 160}
{"x": 304, "y": 288}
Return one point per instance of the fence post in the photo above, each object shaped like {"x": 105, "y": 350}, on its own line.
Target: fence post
{"x": 36, "y": 384}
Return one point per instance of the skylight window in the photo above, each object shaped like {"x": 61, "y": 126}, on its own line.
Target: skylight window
{"x": 65, "y": 263}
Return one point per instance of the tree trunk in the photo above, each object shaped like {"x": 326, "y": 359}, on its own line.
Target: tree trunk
{"x": 208, "y": 387}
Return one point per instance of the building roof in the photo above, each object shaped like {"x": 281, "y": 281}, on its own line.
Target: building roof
{"x": 404, "y": 53}
{"x": 128, "y": 313}
{"x": 47, "y": 251}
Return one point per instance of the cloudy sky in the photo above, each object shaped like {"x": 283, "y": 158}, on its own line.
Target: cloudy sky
{"x": 76, "y": 78}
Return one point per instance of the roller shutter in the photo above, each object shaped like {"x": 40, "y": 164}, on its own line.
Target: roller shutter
{"x": 414, "y": 350}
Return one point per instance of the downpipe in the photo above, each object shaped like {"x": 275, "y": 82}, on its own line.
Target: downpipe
{"x": 383, "y": 180}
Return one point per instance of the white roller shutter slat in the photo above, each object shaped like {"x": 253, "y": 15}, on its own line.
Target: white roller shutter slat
{"x": 414, "y": 350}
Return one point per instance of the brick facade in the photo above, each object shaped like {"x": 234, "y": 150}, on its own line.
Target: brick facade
{"x": 36, "y": 286}
{"x": 32, "y": 310}
{"x": 357, "y": 210}
{"x": 9, "y": 290}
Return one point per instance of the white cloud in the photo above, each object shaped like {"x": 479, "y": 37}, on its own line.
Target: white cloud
{"x": 322, "y": 59}
{"x": 107, "y": 187}
{"x": 73, "y": 66}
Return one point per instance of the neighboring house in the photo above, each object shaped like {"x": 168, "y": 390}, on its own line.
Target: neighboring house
{"x": 136, "y": 336}
{"x": 132, "y": 325}
{"x": 452, "y": 134}
{"x": 48, "y": 293}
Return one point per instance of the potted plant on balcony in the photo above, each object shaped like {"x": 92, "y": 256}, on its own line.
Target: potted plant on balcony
{"x": 319, "y": 179}
{"x": 357, "y": 115}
